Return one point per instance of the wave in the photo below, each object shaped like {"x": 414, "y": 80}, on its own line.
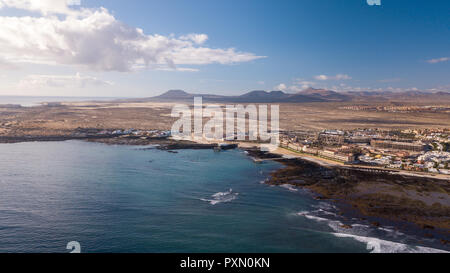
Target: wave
{"x": 148, "y": 147}
{"x": 375, "y": 245}
{"x": 325, "y": 206}
{"x": 363, "y": 233}
{"x": 392, "y": 231}
{"x": 222, "y": 197}
{"x": 289, "y": 187}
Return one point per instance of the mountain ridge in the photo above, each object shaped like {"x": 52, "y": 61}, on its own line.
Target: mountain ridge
{"x": 307, "y": 95}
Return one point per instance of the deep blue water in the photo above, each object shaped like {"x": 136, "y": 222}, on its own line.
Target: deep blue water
{"x": 125, "y": 199}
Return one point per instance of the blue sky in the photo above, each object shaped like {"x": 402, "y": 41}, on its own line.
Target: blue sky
{"x": 288, "y": 45}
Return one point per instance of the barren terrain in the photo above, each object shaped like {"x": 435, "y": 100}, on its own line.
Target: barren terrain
{"x": 67, "y": 119}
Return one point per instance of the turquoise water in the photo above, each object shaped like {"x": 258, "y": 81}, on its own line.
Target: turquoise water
{"x": 125, "y": 199}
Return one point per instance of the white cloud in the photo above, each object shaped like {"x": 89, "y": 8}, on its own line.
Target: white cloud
{"x": 338, "y": 77}
{"x": 44, "y": 7}
{"x": 6, "y": 65}
{"x": 442, "y": 88}
{"x": 301, "y": 84}
{"x": 292, "y": 88}
{"x": 321, "y": 77}
{"x": 180, "y": 69}
{"x": 59, "y": 81}
{"x": 439, "y": 60}
{"x": 343, "y": 77}
{"x": 296, "y": 89}
{"x": 401, "y": 89}
{"x": 281, "y": 87}
{"x": 196, "y": 38}
{"x": 96, "y": 40}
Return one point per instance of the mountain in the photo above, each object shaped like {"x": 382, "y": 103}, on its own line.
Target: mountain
{"x": 325, "y": 94}
{"x": 411, "y": 96}
{"x": 259, "y": 96}
{"x": 179, "y": 96}
{"x": 363, "y": 96}
{"x": 305, "y": 96}
{"x": 421, "y": 96}
{"x": 175, "y": 95}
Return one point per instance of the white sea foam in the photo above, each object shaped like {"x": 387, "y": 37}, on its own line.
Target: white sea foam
{"x": 359, "y": 232}
{"x": 335, "y": 225}
{"x": 376, "y": 245}
{"x": 325, "y": 206}
{"x": 391, "y": 231}
{"x": 289, "y": 187}
{"x": 308, "y": 215}
{"x": 327, "y": 212}
{"x": 222, "y": 197}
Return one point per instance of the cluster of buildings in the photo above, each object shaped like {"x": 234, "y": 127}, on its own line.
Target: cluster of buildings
{"x": 397, "y": 109}
{"x": 333, "y": 154}
{"x": 397, "y": 145}
{"x": 435, "y": 162}
{"x": 136, "y": 133}
{"x": 414, "y": 150}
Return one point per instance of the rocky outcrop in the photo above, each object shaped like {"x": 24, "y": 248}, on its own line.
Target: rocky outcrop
{"x": 390, "y": 196}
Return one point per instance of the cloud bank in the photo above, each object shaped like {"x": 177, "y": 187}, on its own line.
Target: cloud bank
{"x": 299, "y": 85}
{"x": 439, "y": 60}
{"x": 338, "y": 77}
{"x": 61, "y": 81}
{"x": 59, "y": 34}
{"x": 44, "y": 7}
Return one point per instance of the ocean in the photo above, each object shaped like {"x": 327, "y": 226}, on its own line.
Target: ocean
{"x": 29, "y": 101}
{"x": 127, "y": 199}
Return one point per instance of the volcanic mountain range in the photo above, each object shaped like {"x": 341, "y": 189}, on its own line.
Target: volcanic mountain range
{"x": 305, "y": 96}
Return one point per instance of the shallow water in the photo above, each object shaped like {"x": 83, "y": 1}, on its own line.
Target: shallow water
{"x": 125, "y": 199}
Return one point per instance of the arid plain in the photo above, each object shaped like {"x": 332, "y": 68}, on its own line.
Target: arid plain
{"x": 66, "y": 119}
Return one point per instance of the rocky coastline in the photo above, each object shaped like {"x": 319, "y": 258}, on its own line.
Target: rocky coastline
{"x": 161, "y": 143}
{"x": 404, "y": 200}
{"x": 374, "y": 197}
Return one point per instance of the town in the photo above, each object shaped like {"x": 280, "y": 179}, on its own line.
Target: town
{"x": 410, "y": 150}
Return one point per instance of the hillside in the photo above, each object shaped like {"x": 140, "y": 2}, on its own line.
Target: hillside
{"x": 305, "y": 96}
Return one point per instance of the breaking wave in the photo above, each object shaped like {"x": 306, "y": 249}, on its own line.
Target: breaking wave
{"x": 375, "y": 245}
{"x": 290, "y": 187}
{"x": 363, "y": 233}
{"x": 222, "y": 197}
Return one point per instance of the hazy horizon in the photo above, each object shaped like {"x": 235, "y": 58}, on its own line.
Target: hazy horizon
{"x": 213, "y": 93}
{"x": 115, "y": 49}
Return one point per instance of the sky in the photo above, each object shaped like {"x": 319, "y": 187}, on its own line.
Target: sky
{"x": 142, "y": 48}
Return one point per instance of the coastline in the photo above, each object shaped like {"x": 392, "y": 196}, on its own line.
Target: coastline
{"x": 329, "y": 163}
{"x": 164, "y": 143}
{"x": 401, "y": 199}
{"x": 405, "y": 201}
